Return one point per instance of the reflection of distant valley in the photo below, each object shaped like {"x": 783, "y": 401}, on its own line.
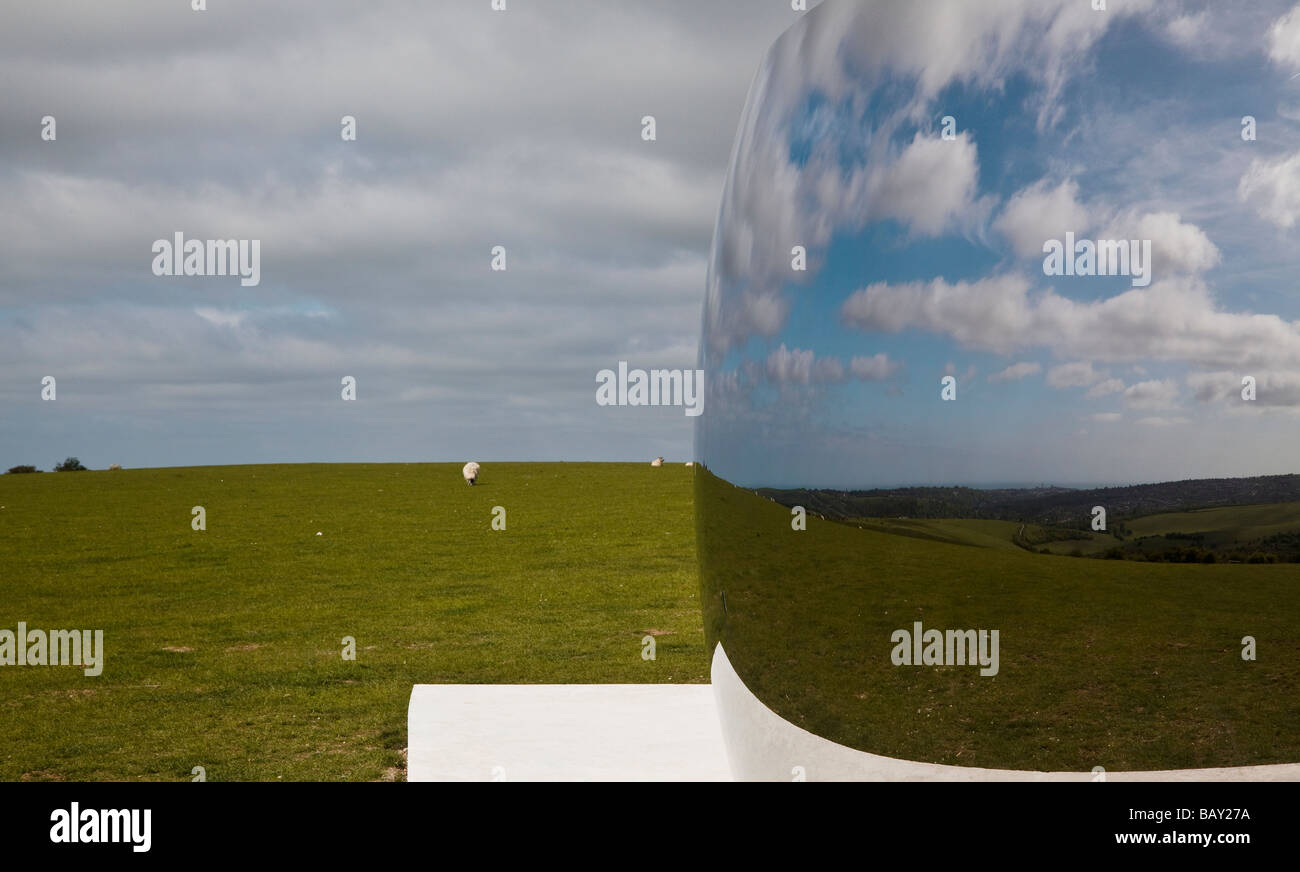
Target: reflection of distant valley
{"x": 1242, "y": 520}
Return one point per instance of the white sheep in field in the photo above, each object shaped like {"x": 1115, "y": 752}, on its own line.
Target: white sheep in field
{"x": 470, "y": 472}
{"x": 690, "y": 463}
{"x": 658, "y": 461}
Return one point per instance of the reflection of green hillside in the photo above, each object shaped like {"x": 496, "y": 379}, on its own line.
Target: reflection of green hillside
{"x": 1242, "y": 522}
{"x": 959, "y": 531}
{"x": 1230, "y": 533}
{"x": 1120, "y": 664}
{"x": 984, "y": 534}
{"x": 1242, "y": 534}
{"x": 1236, "y": 531}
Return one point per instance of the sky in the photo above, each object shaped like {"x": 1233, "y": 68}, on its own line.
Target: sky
{"x": 925, "y": 252}
{"x": 475, "y": 128}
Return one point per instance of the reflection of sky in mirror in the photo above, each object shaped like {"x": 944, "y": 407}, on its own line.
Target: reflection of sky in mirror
{"x": 925, "y": 255}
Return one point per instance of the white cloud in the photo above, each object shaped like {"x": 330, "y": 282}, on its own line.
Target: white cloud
{"x": 990, "y": 314}
{"x": 797, "y": 366}
{"x": 931, "y": 183}
{"x": 828, "y": 370}
{"x": 1216, "y": 31}
{"x": 1039, "y": 213}
{"x": 1273, "y": 188}
{"x": 1189, "y": 31}
{"x": 1209, "y": 386}
{"x": 950, "y": 368}
{"x": 790, "y": 365}
{"x": 1272, "y": 389}
{"x": 1073, "y": 375}
{"x": 943, "y": 41}
{"x": 1172, "y": 320}
{"x": 1105, "y": 388}
{"x": 1106, "y": 417}
{"x": 1017, "y": 371}
{"x": 1154, "y": 395}
{"x": 1284, "y": 39}
{"x": 1176, "y": 246}
{"x": 219, "y": 318}
{"x": 878, "y": 367}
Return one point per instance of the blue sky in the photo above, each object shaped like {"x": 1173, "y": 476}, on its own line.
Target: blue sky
{"x": 474, "y": 128}
{"x": 925, "y": 255}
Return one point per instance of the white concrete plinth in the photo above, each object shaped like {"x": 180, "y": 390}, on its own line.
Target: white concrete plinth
{"x": 763, "y": 746}
{"x": 564, "y": 732}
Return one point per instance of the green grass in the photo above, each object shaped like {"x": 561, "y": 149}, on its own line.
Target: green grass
{"x": 223, "y": 646}
{"x": 1120, "y": 664}
{"x": 1224, "y": 527}
{"x": 1099, "y": 544}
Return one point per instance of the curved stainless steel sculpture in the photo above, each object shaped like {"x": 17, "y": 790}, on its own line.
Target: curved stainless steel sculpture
{"x": 1002, "y": 354}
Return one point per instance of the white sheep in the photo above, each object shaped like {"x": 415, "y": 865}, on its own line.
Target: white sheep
{"x": 690, "y": 463}
{"x": 470, "y": 472}
{"x": 658, "y": 461}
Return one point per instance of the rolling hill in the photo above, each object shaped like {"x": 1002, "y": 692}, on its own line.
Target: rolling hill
{"x": 224, "y": 646}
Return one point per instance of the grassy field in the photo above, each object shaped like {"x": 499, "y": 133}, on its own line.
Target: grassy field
{"x": 1121, "y": 664}
{"x": 224, "y": 646}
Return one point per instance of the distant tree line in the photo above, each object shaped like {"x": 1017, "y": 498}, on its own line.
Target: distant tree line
{"x": 1047, "y": 505}
{"x": 1277, "y": 548}
{"x": 71, "y": 464}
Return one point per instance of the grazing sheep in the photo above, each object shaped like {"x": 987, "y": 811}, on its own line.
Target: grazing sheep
{"x": 690, "y": 463}
{"x": 115, "y": 466}
{"x": 658, "y": 461}
{"x": 470, "y": 472}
